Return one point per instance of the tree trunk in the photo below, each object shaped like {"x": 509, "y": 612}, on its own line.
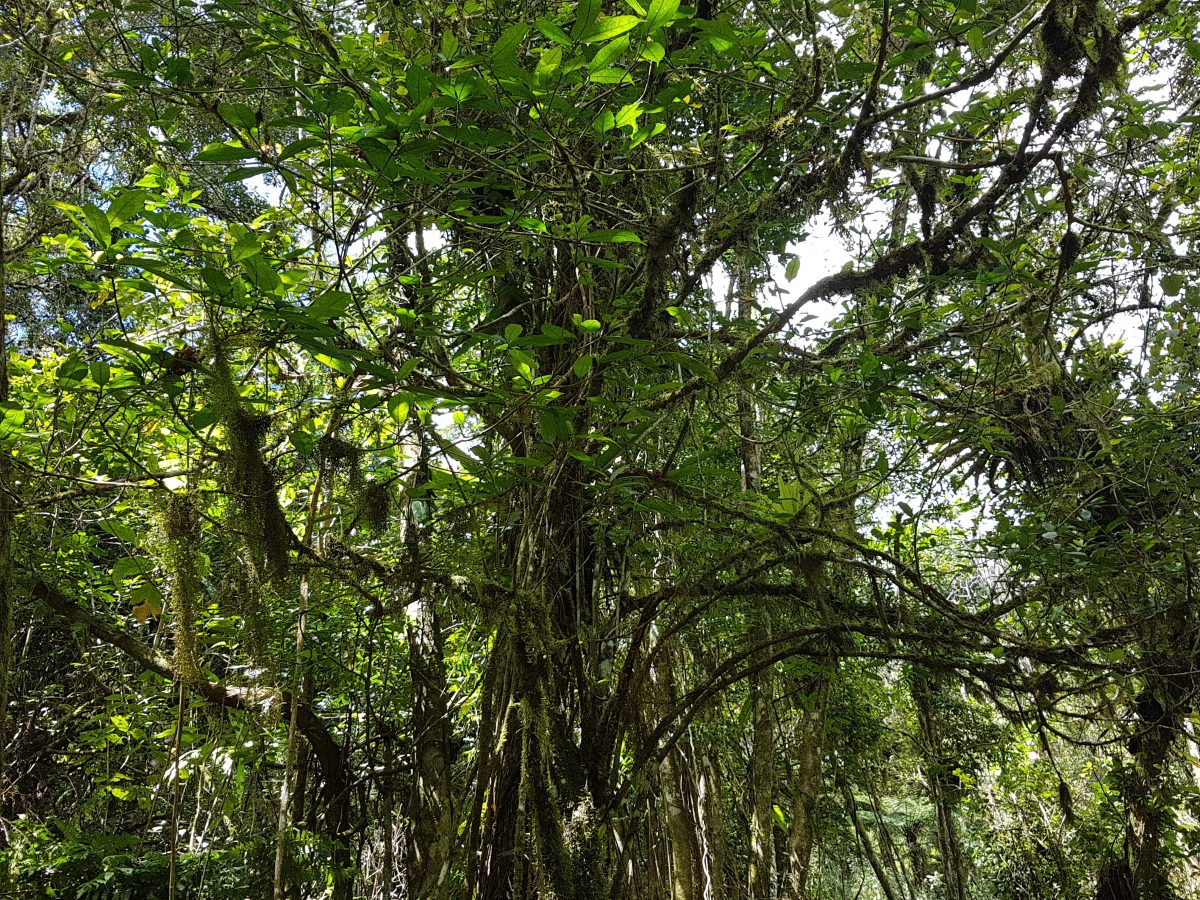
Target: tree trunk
{"x": 1149, "y": 799}
{"x": 7, "y": 512}
{"x": 687, "y": 879}
{"x": 501, "y": 730}
{"x": 940, "y": 792}
{"x": 712, "y": 793}
{"x": 430, "y": 804}
{"x": 806, "y": 791}
{"x": 864, "y": 839}
{"x": 761, "y": 873}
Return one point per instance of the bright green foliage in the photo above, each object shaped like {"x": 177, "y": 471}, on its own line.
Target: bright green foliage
{"x": 420, "y": 484}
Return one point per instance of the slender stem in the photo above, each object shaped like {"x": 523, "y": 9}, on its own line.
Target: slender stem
{"x": 176, "y": 792}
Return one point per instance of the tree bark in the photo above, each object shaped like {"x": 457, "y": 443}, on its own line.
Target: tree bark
{"x": 940, "y": 792}
{"x": 864, "y": 839}
{"x": 806, "y": 791}
{"x": 430, "y": 803}
{"x": 677, "y": 796}
{"x": 761, "y": 873}
{"x": 1149, "y": 799}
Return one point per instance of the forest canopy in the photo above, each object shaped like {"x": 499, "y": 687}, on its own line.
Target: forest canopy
{"x": 444, "y": 455}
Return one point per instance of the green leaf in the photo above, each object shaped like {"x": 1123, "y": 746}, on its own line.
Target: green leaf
{"x": 504, "y": 54}
{"x": 339, "y": 364}
{"x": 548, "y": 64}
{"x": 297, "y": 147}
{"x": 238, "y": 115}
{"x": 246, "y": 243}
{"x": 398, "y": 408}
{"x": 97, "y": 223}
{"x": 793, "y": 269}
{"x": 586, "y": 325}
{"x": 244, "y": 173}
{"x": 583, "y": 365}
{"x": 654, "y": 51}
{"x": 628, "y": 115}
{"x": 611, "y": 76}
{"x": 128, "y": 206}
{"x": 661, "y": 12}
{"x": 975, "y": 40}
{"x": 262, "y": 276}
{"x": 218, "y": 282}
{"x": 556, "y": 424}
{"x": 100, "y": 372}
{"x": 612, "y": 236}
{"x": 608, "y": 54}
{"x": 329, "y": 305}
{"x": 128, "y": 567}
{"x": 1172, "y": 284}
{"x": 227, "y": 152}
{"x": 552, "y": 32}
{"x": 119, "y": 530}
{"x": 586, "y": 12}
{"x": 779, "y": 817}
{"x": 609, "y": 27}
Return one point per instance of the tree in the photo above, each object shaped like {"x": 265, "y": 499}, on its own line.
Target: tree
{"x": 412, "y": 450}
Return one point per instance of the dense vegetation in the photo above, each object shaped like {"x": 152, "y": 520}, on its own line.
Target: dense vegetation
{"x": 435, "y": 465}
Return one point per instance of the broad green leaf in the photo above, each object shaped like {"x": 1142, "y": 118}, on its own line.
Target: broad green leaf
{"x": 975, "y": 40}
{"x": 628, "y": 115}
{"x": 119, "y": 529}
{"x": 98, "y": 223}
{"x": 661, "y": 12}
{"x": 299, "y": 146}
{"x": 246, "y": 243}
{"x": 613, "y": 236}
{"x": 611, "y": 76}
{"x": 128, "y": 206}
{"x": 555, "y": 424}
{"x": 262, "y": 276}
{"x": 398, "y": 408}
{"x": 609, "y": 27}
{"x": 245, "y": 172}
{"x": 1172, "y": 284}
{"x": 553, "y": 32}
{"x": 608, "y": 54}
{"x": 330, "y": 305}
{"x": 228, "y": 152}
{"x": 339, "y": 364}
{"x": 238, "y": 114}
{"x": 504, "y": 54}
{"x": 548, "y": 64}
{"x": 217, "y": 281}
{"x": 586, "y": 12}
{"x": 653, "y": 51}
{"x": 780, "y": 818}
